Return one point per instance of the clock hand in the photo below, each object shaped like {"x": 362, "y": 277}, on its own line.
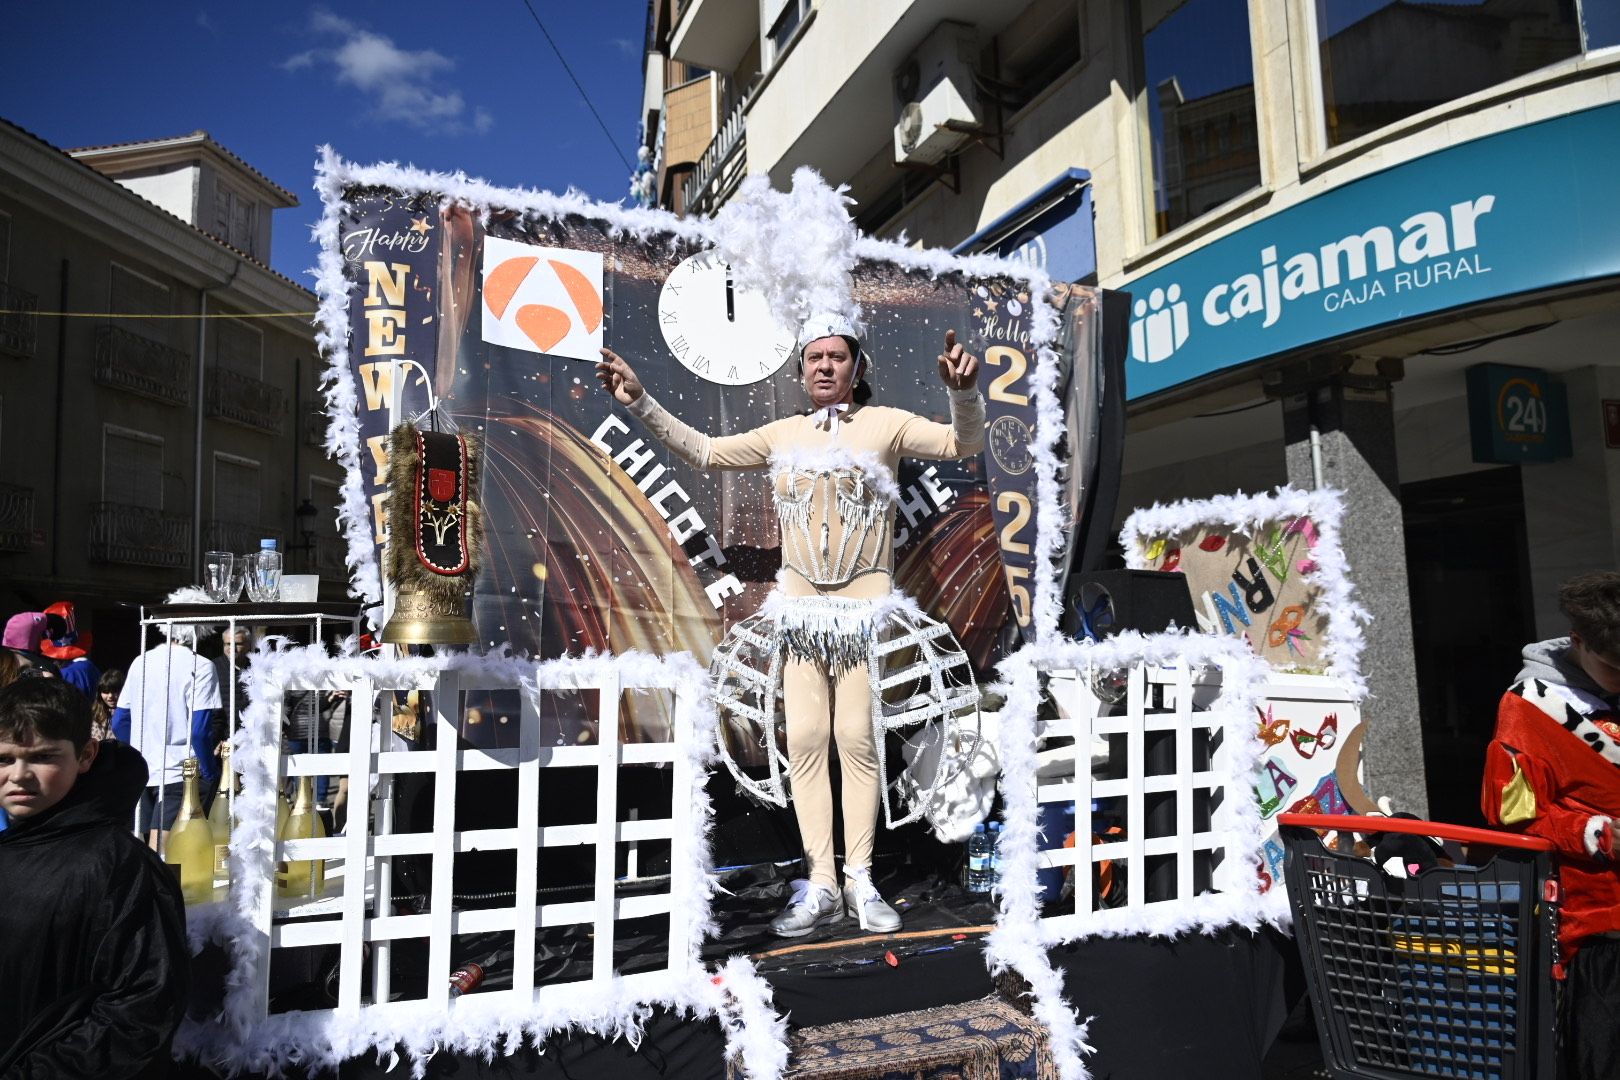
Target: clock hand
{"x": 731, "y": 298}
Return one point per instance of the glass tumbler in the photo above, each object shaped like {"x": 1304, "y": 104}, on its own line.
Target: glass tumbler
{"x": 217, "y": 569}
{"x": 255, "y": 594}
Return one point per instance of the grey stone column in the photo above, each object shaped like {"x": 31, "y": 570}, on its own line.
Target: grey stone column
{"x": 1348, "y": 404}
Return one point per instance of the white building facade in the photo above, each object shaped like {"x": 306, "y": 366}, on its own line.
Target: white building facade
{"x": 1332, "y": 216}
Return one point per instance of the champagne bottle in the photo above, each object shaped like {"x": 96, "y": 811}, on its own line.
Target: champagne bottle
{"x": 219, "y": 815}
{"x": 305, "y": 877}
{"x": 191, "y": 842}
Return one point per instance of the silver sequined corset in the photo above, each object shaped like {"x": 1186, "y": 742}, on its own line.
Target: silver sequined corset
{"x": 835, "y": 508}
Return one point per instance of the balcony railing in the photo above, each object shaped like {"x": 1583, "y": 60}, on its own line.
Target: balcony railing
{"x": 723, "y": 165}
{"x": 142, "y": 366}
{"x": 18, "y": 333}
{"x": 236, "y": 537}
{"x": 16, "y": 517}
{"x": 139, "y": 536}
{"x": 244, "y": 400}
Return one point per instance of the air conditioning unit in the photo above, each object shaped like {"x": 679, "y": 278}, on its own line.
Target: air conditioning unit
{"x": 935, "y": 106}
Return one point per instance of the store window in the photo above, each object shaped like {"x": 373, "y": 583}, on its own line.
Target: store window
{"x": 1201, "y": 140}
{"x": 1384, "y": 60}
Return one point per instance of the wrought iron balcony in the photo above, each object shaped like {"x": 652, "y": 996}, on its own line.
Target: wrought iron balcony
{"x": 139, "y": 536}
{"x": 142, "y": 366}
{"x": 18, "y": 333}
{"x": 235, "y": 536}
{"x": 723, "y": 165}
{"x": 244, "y": 400}
{"x": 16, "y": 517}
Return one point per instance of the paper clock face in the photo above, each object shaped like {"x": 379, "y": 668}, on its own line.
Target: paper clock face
{"x": 543, "y": 299}
{"x": 1009, "y": 445}
{"x": 717, "y": 331}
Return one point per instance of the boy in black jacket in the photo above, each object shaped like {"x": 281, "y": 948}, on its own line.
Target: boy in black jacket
{"x": 93, "y": 957}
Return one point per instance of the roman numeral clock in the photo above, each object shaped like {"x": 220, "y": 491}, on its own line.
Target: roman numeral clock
{"x": 717, "y": 331}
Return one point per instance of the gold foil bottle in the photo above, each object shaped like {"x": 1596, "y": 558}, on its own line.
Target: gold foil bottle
{"x": 191, "y": 842}
{"x": 219, "y": 815}
{"x": 304, "y": 877}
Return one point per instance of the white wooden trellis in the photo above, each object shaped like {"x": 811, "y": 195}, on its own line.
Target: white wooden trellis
{"x": 361, "y": 915}
{"x": 1213, "y": 747}
{"x": 1158, "y": 699}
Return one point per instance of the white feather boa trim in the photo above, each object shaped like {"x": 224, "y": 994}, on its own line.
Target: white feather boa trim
{"x": 1343, "y": 638}
{"x": 240, "y": 1039}
{"x": 1021, "y": 938}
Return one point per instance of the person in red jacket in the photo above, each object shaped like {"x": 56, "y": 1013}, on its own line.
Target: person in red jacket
{"x": 1553, "y": 770}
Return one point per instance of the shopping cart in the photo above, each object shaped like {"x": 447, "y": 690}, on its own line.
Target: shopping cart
{"x": 1446, "y": 973}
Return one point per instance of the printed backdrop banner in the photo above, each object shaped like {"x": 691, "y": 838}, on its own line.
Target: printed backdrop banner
{"x": 597, "y": 537}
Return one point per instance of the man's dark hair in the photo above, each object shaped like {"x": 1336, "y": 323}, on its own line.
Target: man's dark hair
{"x": 1591, "y": 602}
{"x": 32, "y": 710}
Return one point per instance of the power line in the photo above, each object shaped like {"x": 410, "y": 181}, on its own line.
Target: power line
{"x": 135, "y": 315}
{"x": 577, "y": 86}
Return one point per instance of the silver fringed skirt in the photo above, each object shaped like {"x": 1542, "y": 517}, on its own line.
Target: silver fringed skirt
{"x": 919, "y": 675}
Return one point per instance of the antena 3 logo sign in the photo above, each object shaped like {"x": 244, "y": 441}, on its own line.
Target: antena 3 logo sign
{"x": 1427, "y": 249}
{"x": 543, "y": 299}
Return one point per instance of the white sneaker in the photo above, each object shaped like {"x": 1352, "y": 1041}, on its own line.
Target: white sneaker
{"x": 811, "y": 907}
{"x": 862, "y": 900}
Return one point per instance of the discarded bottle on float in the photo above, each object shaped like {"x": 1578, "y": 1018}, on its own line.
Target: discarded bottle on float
{"x": 304, "y": 877}
{"x": 191, "y": 842}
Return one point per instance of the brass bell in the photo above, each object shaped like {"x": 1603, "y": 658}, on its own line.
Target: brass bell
{"x": 429, "y": 617}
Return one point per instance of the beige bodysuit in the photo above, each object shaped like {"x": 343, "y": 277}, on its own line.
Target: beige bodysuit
{"x": 834, "y": 487}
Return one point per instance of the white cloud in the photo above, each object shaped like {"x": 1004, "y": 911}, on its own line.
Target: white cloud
{"x": 400, "y": 85}
{"x": 626, "y": 46}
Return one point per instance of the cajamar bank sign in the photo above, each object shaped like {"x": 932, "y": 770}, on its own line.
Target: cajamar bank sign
{"x": 1505, "y": 214}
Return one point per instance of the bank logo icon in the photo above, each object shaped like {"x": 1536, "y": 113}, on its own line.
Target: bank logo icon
{"x": 1160, "y": 326}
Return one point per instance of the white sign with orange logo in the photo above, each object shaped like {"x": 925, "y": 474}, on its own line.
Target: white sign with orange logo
{"x": 543, "y": 299}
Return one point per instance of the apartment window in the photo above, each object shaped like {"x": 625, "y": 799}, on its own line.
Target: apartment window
{"x": 240, "y": 348}
{"x": 1601, "y": 21}
{"x": 135, "y": 294}
{"x": 237, "y": 489}
{"x": 236, "y": 218}
{"x": 1199, "y": 134}
{"x": 5, "y": 247}
{"x": 783, "y": 17}
{"x": 1383, "y": 60}
{"x": 131, "y": 468}
{"x": 1031, "y": 54}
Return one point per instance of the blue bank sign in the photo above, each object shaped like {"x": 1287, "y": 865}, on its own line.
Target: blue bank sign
{"x": 1527, "y": 209}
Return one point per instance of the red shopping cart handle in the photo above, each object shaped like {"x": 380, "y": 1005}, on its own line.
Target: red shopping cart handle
{"x": 1460, "y": 833}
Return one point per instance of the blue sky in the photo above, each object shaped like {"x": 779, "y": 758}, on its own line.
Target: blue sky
{"x": 471, "y": 86}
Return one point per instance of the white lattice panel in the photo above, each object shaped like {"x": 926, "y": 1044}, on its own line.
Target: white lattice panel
{"x": 356, "y": 912}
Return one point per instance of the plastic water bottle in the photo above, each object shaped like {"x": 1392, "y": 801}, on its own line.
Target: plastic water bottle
{"x": 995, "y": 852}
{"x": 267, "y": 570}
{"x": 979, "y": 853}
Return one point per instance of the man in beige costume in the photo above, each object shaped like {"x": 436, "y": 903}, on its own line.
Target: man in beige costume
{"x": 835, "y": 492}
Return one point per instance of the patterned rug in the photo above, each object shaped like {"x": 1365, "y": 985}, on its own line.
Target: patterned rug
{"x": 986, "y": 1039}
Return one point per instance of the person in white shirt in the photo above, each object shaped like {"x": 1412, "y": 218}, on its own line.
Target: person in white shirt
{"x": 166, "y": 711}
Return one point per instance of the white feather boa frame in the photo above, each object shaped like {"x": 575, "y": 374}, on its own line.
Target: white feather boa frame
{"x": 816, "y": 229}
{"x": 1343, "y": 638}
{"x": 1021, "y": 938}
{"x": 240, "y": 1039}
